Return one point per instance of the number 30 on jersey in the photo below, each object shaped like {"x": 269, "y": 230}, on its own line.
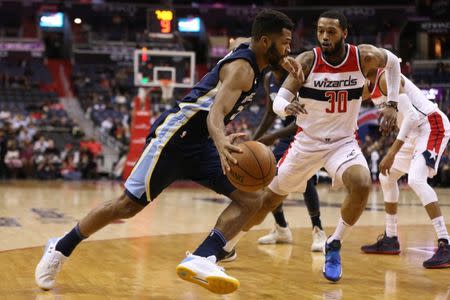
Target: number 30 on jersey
{"x": 338, "y": 101}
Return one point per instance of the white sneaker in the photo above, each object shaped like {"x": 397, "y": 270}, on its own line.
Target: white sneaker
{"x": 205, "y": 272}
{"x": 318, "y": 240}
{"x": 49, "y": 266}
{"x": 277, "y": 235}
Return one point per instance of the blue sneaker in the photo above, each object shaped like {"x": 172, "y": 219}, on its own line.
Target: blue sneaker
{"x": 332, "y": 269}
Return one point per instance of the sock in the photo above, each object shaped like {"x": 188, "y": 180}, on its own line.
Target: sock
{"x": 232, "y": 243}
{"x": 212, "y": 245}
{"x": 391, "y": 225}
{"x": 316, "y": 222}
{"x": 439, "y": 226}
{"x": 338, "y": 234}
{"x": 68, "y": 243}
{"x": 279, "y": 218}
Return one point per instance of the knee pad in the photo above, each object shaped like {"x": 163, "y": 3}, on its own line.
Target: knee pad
{"x": 390, "y": 187}
{"x": 423, "y": 190}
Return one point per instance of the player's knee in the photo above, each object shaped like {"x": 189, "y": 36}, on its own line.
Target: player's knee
{"x": 359, "y": 184}
{"x": 423, "y": 190}
{"x": 251, "y": 202}
{"x": 416, "y": 183}
{"x": 125, "y": 208}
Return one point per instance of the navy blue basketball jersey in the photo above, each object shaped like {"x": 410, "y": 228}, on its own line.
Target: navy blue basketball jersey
{"x": 191, "y": 112}
{"x": 274, "y": 86}
{"x": 204, "y": 92}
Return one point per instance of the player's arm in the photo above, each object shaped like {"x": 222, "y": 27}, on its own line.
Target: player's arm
{"x": 269, "y": 139}
{"x": 236, "y": 77}
{"x": 373, "y": 58}
{"x": 269, "y": 116}
{"x": 410, "y": 120}
{"x": 284, "y": 103}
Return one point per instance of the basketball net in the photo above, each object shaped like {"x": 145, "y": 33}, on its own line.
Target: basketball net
{"x": 167, "y": 87}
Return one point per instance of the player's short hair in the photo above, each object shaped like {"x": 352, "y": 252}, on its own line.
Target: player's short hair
{"x": 334, "y": 14}
{"x": 270, "y": 21}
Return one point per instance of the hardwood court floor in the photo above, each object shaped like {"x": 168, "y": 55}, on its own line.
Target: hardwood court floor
{"x": 136, "y": 259}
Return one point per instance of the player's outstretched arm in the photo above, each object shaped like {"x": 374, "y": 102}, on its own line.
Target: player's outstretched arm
{"x": 284, "y": 103}
{"x": 269, "y": 116}
{"x": 236, "y": 77}
{"x": 269, "y": 139}
{"x": 373, "y": 58}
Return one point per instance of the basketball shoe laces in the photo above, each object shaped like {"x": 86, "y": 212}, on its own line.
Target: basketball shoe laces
{"x": 54, "y": 267}
{"x": 441, "y": 251}
{"x": 380, "y": 239}
{"x": 212, "y": 259}
{"x": 334, "y": 258}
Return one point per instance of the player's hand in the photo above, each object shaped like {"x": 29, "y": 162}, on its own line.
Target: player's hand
{"x": 225, "y": 147}
{"x": 292, "y": 66}
{"x": 268, "y": 139}
{"x": 388, "y": 119}
{"x": 295, "y": 108}
{"x": 386, "y": 164}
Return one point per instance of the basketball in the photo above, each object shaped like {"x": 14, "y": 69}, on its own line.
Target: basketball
{"x": 255, "y": 167}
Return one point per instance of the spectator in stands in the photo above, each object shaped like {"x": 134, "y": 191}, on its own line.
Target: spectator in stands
{"x": 374, "y": 159}
{"x": 107, "y": 125}
{"x": 3, "y": 150}
{"x": 40, "y": 145}
{"x": 46, "y": 166}
{"x": 12, "y": 159}
{"x": 69, "y": 170}
{"x": 26, "y": 155}
{"x": 88, "y": 166}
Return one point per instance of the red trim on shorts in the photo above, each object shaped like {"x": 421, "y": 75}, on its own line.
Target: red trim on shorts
{"x": 357, "y": 138}
{"x": 290, "y": 145}
{"x": 437, "y": 132}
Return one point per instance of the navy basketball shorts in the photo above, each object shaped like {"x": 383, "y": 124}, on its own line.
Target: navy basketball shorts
{"x": 176, "y": 152}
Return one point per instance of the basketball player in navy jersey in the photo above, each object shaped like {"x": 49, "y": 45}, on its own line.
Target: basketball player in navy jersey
{"x": 281, "y": 232}
{"x": 326, "y": 112}
{"x": 189, "y": 142}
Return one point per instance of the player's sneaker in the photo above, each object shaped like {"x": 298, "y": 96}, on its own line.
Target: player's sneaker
{"x": 205, "y": 272}
{"x": 277, "y": 235}
{"x": 225, "y": 256}
{"x": 383, "y": 245}
{"x": 318, "y": 239}
{"x": 49, "y": 266}
{"x": 332, "y": 269}
{"x": 441, "y": 258}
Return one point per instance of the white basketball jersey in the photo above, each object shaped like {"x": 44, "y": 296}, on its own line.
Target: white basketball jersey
{"x": 421, "y": 104}
{"x": 332, "y": 97}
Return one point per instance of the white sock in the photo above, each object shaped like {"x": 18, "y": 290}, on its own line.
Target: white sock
{"x": 338, "y": 234}
{"x": 232, "y": 243}
{"x": 439, "y": 226}
{"x": 391, "y": 225}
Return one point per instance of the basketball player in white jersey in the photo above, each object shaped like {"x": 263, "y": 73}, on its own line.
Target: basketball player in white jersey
{"x": 423, "y": 137}
{"x": 327, "y": 112}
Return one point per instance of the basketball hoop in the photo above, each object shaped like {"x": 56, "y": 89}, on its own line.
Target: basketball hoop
{"x": 167, "y": 87}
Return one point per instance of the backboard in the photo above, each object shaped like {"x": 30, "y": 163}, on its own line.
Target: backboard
{"x": 152, "y": 66}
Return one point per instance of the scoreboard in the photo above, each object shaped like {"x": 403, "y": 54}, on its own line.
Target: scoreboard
{"x": 161, "y": 21}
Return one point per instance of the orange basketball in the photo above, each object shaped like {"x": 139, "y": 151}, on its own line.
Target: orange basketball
{"x": 255, "y": 167}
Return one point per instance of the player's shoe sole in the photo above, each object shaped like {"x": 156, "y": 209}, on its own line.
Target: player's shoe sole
{"x": 215, "y": 284}
{"x": 387, "y": 252}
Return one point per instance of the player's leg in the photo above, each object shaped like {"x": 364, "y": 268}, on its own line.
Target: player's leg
{"x": 291, "y": 176}
{"x": 281, "y": 232}
{"x": 200, "y": 267}
{"x": 347, "y": 166}
{"x": 152, "y": 169}
{"x": 417, "y": 180}
{"x": 312, "y": 204}
{"x": 387, "y": 243}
